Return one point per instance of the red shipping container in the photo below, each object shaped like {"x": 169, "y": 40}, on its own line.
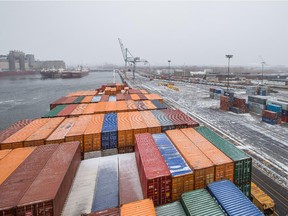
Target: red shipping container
{"x": 120, "y": 97}
{"x": 69, "y": 100}
{"x": 270, "y": 114}
{"x": 67, "y": 110}
{"x": 104, "y": 98}
{"x": 154, "y": 174}
{"x": 57, "y": 102}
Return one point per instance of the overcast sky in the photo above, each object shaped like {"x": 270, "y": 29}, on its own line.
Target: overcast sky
{"x": 188, "y": 33}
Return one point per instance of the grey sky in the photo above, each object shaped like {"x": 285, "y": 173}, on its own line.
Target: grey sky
{"x": 188, "y": 33}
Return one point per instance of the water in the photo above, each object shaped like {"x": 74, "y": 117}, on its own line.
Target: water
{"x": 28, "y": 97}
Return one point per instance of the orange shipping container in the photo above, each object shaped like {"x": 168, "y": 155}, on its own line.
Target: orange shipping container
{"x": 153, "y": 126}
{"x": 107, "y": 90}
{"x": 135, "y": 97}
{"x": 39, "y": 137}
{"x": 131, "y": 105}
{"x": 224, "y": 166}
{"x": 101, "y": 107}
{"x": 92, "y": 134}
{"x": 111, "y": 106}
{"x": 125, "y": 132}
{"x": 79, "y": 110}
{"x": 122, "y": 106}
{"x": 17, "y": 139}
{"x": 202, "y": 167}
{"x": 138, "y": 208}
{"x": 144, "y": 91}
{"x": 137, "y": 123}
{"x": 154, "y": 97}
{"x": 76, "y": 133}
{"x": 149, "y": 105}
{"x": 87, "y": 99}
{"x": 113, "y": 91}
{"x": 3, "y": 153}
{"x": 90, "y": 109}
{"x": 9, "y": 163}
{"x": 58, "y": 136}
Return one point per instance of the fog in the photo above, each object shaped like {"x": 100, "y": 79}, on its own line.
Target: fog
{"x": 188, "y": 33}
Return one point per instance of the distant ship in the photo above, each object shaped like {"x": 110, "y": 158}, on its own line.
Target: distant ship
{"x": 61, "y": 73}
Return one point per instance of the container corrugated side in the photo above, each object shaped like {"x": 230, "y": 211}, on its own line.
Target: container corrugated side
{"x": 13, "y": 189}
{"x": 10, "y": 163}
{"x": 138, "y": 208}
{"x": 200, "y": 202}
{"x": 202, "y": 167}
{"x": 57, "y": 102}
{"x": 80, "y": 198}
{"x": 106, "y": 212}
{"x": 129, "y": 182}
{"x": 158, "y": 104}
{"x": 48, "y": 192}
{"x": 76, "y": 133}
{"x": 106, "y": 189}
{"x": 231, "y": 199}
{"x": 134, "y": 97}
{"x": 79, "y": 99}
{"x": 149, "y": 105}
{"x": 171, "y": 209}
{"x": 182, "y": 175}
{"x": 54, "y": 111}
{"x": 90, "y": 109}
{"x": 39, "y": 136}
{"x": 137, "y": 123}
{"x": 69, "y": 100}
{"x": 153, "y": 126}
{"x": 242, "y": 162}
{"x": 121, "y": 106}
{"x": 78, "y": 110}
{"x": 154, "y": 174}
{"x": 87, "y": 99}
{"x": 109, "y": 134}
{"x": 125, "y": 132}
{"x": 58, "y": 136}
{"x": 224, "y": 166}
{"x": 17, "y": 139}
{"x": 131, "y": 105}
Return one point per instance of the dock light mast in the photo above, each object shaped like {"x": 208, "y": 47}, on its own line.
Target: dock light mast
{"x": 229, "y": 57}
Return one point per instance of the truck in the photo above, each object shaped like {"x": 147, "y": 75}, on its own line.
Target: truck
{"x": 263, "y": 202}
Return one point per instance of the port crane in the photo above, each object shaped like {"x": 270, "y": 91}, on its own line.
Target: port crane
{"x": 130, "y": 59}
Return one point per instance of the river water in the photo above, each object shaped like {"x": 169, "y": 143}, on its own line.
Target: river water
{"x": 29, "y": 96}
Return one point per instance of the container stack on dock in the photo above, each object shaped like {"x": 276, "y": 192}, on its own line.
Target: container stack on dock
{"x": 215, "y": 93}
{"x": 257, "y": 104}
{"x": 276, "y": 105}
{"x": 230, "y": 102}
{"x": 257, "y": 90}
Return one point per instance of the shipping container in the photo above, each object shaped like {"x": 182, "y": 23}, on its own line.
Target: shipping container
{"x": 231, "y": 199}
{"x": 171, "y": 209}
{"x": 58, "y": 136}
{"x": 182, "y": 175}
{"x": 175, "y": 117}
{"x": 100, "y": 107}
{"x": 138, "y": 208}
{"x": 109, "y": 152}
{"x": 90, "y": 109}
{"x": 9, "y": 131}
{"x": 120, "y": 97}
{"x": 143, "y": 91}
{"x": 104, "y": 98}
{"x": 17, "y": 139}
{"x": 78, "y": 100}
{"x": 127, "y": 97}
{"x": 78, "y": 110}
{"x": 158, "y": 104}
{"x": 154, "y": 97}
{"x": 49, "y": 190}
{"x": 142, "y": 97}
{"x": 154, "y": 174}
{"x": 112, "y": 98}
{"x": 39, "y": 136}
{"x": 242, "y": 162}
{"x": 15, "y": 186}
{"x": 131, "y": 105}
{"x": 69, "y": 100}
{"x": 96, "y": 99}
{"x": 129, "y": 182}
{"x": 57, "y": 102}
{"x": 125, "y": 132}
{"x": 54, "y": 111}
{"x": 258, "y": 99}
{"x": 223, "y": 165}
{"x": 121, "y": 106}
{"x": 92, "y": 134}
{"x": 106, "y": 189}
{"x": 67, "y": 110}
{"x": 87, "y": 99}
{"x": 135, "y": 97}
{"x": 202, "y": 167}
{"x": 106, "y": 212}
{"x": 109, "y": 134}
{"x": 111, "y": 107}
{"x": 187, "y": 119}
{"x": 76, "y": 133}
{"x": 10, "y": 162}
{"x": 149, "y": 105}
{"x": 80, "y": 198}
{"x": 141, "y": 106}
{"x": 165, "y": 122}
{"x": 4, "y": 153}
{"x": 153, "y": 126}
{"x": 126, "y": 149}
{"x": 200, "y": 202}
{"x": 137, "y": 123}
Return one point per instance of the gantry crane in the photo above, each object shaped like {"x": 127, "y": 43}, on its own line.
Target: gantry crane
{"x": 129, "y": 58}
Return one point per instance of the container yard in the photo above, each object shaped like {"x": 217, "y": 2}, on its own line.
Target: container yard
{"x": 148, "y": 158}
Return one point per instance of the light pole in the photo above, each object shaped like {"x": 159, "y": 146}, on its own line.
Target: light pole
{"x": 169, "y": 61}
{"x": 229, "y": 57}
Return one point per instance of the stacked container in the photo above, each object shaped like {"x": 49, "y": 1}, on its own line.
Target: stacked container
{"x": 153, "y": 126}
{"x": 165, "y": 122}
{"x": 109, "y": 132}
{"x": 171, "y": 209}
{"x": 78, "y": 110}
{"x": 125, "y": 133}
{"x": 284, "y": 106}
{"x": 138, "y": 208}
{"x": 257, "y": 104}
{"x": 137, "y": 123}
{"x": 154, "y": 174}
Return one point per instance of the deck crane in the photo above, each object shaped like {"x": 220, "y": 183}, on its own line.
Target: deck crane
{"x": 130, "y": 59}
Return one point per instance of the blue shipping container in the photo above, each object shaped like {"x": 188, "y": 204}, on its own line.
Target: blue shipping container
{"x": 231, "y": 199}
{"x": 109, "y": 137}
{"x": 112, "y": 98}
{"x": 275, "y": 108}
{"x": 172, "y": 157}
{"x": 165, "y": 122}
{"x": 158, "y": 104}
{"x": 96, "y": 99}
{"x": 106, "y": 188}
{"x": 234, "y": 109}
{"x": 269, "y": 121}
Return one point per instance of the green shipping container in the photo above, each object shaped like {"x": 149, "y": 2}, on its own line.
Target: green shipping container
{"x": 54, "y": 111}
{"x": 200, "y": 203}
{"x": 242, "y": 162}
{"x": 171, "y": 209}
{"x": 78, "y": 100}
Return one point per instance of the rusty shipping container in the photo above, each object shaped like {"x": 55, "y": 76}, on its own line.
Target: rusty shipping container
{"x": 224, "y": 166}
{"x": 202, "y": 167}
{"x": 39, "y": 136}
{"x": 182, "y": 175}
{"x": 129, "y": 182}
{"x": 138, "y": 208}
{"x": 17, "y": 139}
{"x": 48, "y": 192}
{"x": 154, "y": 174}
{"x": 14, "y": 187}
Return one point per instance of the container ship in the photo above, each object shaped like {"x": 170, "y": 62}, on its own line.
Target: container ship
{"x": 117, "y": 150}
{"x": 64, "y": 74}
